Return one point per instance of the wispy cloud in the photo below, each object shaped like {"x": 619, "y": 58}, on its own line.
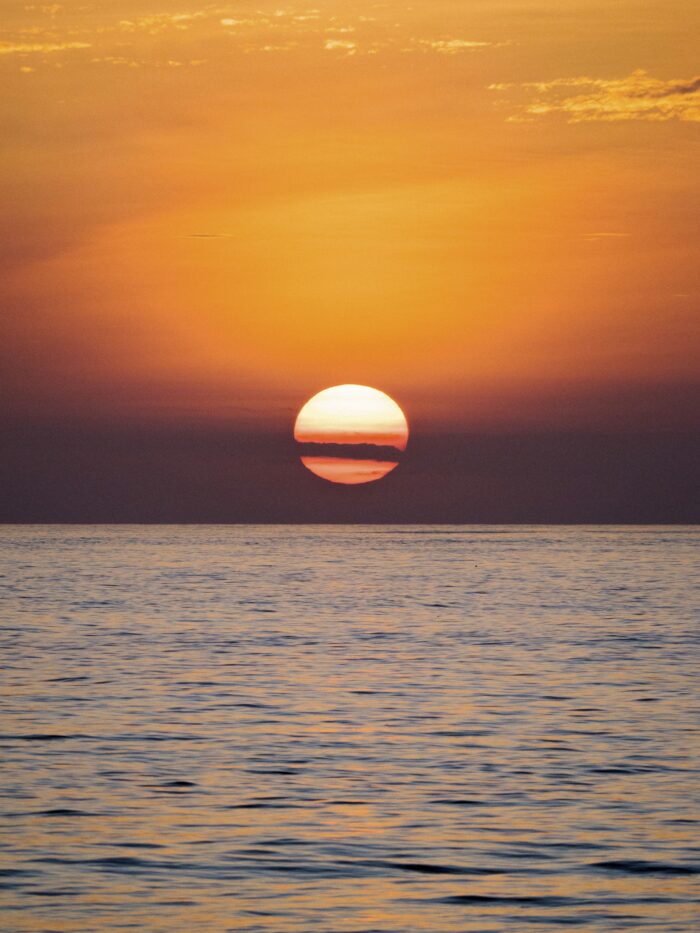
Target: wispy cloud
{"x": 157, "y": 22}
{"x": 340, "y": 45}
{"x": 208, "y": 236}
{"x": 592, "y": 237}
{"x": 638, "y": 96}
{"x": 29, "y": 48}
{"x": 128, "y": 40}
{"x": 452, "y": 46}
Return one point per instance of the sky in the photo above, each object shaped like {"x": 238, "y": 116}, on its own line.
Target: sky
{"x": 213, "y": 211}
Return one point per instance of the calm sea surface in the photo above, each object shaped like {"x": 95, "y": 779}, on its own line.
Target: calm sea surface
{"x": 354, "y": 728}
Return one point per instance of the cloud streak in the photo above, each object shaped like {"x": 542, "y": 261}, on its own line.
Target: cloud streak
{"x": 453, "y": 46}
{"x": 32, "y": 48}
{"x": 638, "y": 96}
{"x": 129, "y": 40}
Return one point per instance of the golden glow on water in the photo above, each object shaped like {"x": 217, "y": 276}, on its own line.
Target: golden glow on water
{"x": 407, "y": 729}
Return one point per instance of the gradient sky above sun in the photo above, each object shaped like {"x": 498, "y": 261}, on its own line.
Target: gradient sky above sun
{"x": 489, "y": 210}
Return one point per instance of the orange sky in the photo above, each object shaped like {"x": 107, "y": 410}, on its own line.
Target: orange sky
{"x": 214, "y": 210}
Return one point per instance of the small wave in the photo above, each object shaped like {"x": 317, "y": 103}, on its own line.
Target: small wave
{"x": 171, "y": 784}
{"x": 271, "y": 805}
{"x": 38, "y": 737}
{"x": 347, "y": 803}
{"x": 132, "y": 845}
{"x": 51, "y": 893}
{"x": 549, "y": 900}
{"x": 524, "y": 900}
{"x": 643, "y": 867}
{"x": 63, "y": 812}
{"x": 117, "y": 861}
{"x": 458, "y": 802}
{"x": 285, "y": 771}
{"x": 66, "y": 680}
{"x": 463, "y": 733}
{"x": 425, "y": 868}
{"x": 121, "y": 861}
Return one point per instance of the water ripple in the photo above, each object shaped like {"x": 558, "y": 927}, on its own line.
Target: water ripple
{"x": 349, "y": 729}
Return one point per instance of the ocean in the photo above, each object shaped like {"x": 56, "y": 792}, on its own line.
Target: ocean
{"x": 349, "y": 729}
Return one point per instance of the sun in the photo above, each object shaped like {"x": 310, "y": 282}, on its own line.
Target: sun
{"x": 351, "y": 434}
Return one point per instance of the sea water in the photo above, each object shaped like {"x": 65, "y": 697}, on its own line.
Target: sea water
{"x": 349, "y": 728}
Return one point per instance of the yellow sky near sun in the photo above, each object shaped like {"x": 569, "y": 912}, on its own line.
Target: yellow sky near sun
{"x": 212, "y": 206}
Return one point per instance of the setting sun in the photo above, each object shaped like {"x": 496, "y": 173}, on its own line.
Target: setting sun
{"x": 351, "y": 434}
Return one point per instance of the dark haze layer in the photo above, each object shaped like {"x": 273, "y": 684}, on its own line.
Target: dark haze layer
{"x": 81, "y": 472}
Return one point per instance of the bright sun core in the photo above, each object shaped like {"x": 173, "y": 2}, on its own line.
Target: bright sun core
{"x": 366, "y": 428}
